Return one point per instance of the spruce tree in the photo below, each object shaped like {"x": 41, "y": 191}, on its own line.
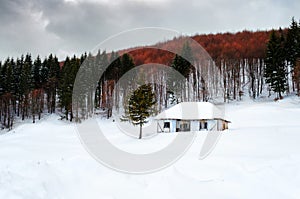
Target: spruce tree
{"x": 275, "y": 67}
{"x": 297, "y": 76}
{"x": 44, "y": 73}
{"x": 292, "y": 44}
{"x": 292, "y": 47}
{"x": 17, "y": 79}
{"x": 65, "y": 89}
{"x": 127, "y": 63}
{"x": 37, "y": 67}
{"x": 140, "y": 105}
{"x": 182, "y": 65}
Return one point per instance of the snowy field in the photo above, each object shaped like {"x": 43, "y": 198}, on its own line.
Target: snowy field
{"x": 258, "y": 157}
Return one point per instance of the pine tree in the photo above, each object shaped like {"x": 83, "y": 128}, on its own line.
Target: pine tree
{"x": 103, "y": 95}
{"x": 37, "y": 67}
{"x": 297, "y": 76}
{"x": 292, "y": 44}
{"x": 140, "y": 104}
{"x": 37, "y": 94}
{"x": 292, "y": 47}
{"x": 65, "y": 89}
{"x": 17, "y": 78}
{"x": 7, "y": 91}
{"x": 98, "y": 66}
{"x": 182, "y": 65}
{"x": 44, "y": 73}
{"x": 275, "y": 67}
{"x": 53, "y": 70}
{"x": 127, "y": 64}
{"x": 116, "y": 71}
{"x": 26, "y": 85}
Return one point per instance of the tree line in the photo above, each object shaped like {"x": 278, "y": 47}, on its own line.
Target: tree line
{"x": 246, "y": 61}
{"x": 30, "y": 88}
{"x": 259, "y": 62}
{"x": 27, "y": 88}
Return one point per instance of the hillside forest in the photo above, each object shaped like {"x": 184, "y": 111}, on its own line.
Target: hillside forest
{"x": 257, "y": 64}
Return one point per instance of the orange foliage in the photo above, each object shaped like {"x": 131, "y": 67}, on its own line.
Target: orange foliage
{"x": 219, "y": 46}
{"x": 151, "y": 55}
{"x": 240, "y": 45}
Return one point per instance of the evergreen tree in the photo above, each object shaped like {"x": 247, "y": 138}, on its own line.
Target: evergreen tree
{"x": 7, "y": 94}
{"x": 297, "y": 76}
{"x": 7, "y": 77}
{"x": 292, "y": 47}
{"x": 37, "y": 77}
{"x": 292, "y": 44}
{"x": 65, "y": 89}
{"x": 275, "y": 67}
{"x": 53, "y": 70}
{"x": 1, "y": 82}
{"x": 182, "y": 63}
{"x": 140, "y": 104}
{"x": 98, "y": 66}
{"x": 17, "y": 78}
{"x": 127, "y": 63}
{"x": 103, "y": 62}
{"x": 116, "y": 64}
{"x": 182, "y": 66}
{"x": 44, "y": 73}
{"x": 26, "y": 85}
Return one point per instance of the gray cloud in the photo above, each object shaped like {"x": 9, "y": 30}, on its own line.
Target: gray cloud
{"x": 63, "y": 27}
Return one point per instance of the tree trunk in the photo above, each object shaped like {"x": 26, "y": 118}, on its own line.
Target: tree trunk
{"x": 71, "y": 113}
{"x": 141, "y": 127}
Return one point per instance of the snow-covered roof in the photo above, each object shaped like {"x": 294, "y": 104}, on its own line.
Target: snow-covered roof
{"x": 192, "y": 111}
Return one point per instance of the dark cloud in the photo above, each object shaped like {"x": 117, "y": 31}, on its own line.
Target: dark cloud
{"x": 67, "y": 27}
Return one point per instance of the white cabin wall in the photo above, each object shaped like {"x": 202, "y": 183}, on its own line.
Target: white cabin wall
{"x": 195, "y": 125}
{"x": 173, "y": 126}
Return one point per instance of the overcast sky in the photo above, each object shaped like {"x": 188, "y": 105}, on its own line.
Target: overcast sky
{"x": 65, "y": 27}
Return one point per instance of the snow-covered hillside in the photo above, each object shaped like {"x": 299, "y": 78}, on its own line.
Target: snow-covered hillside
{"x": 258, "y": 157}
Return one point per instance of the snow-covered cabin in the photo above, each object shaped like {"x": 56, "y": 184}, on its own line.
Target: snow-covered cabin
{"x": 192, "y": 116}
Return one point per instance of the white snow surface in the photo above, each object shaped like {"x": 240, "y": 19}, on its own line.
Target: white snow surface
{"x": 258, "y": 157}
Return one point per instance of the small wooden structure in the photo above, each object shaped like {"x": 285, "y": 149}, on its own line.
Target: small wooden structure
{"x": 191, "y": 116}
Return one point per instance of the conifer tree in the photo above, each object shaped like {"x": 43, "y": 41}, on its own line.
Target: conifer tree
{"x": 297, "y": 76}
{"x": 65, "y": 89}
{"x": 140, "y": 105}
{"x": 292, "y": 49}
{"x": 26, "y": 85}
{"x": 275, "y": 67}
{"x": 37, "y": 67}
{"x": 292, "y": 44}
{"x": 182, "y": 65}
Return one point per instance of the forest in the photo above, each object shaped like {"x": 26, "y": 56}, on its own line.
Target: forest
{"x": 256, "y": 64}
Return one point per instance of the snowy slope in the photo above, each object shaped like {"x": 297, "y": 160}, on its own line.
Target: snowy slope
{"x": 258, "y": 157}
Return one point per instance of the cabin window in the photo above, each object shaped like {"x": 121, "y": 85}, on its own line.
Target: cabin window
{"x": 203, "y": 125}
{"x": 167, "y": 125}
{"x": 184, "y": 126}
